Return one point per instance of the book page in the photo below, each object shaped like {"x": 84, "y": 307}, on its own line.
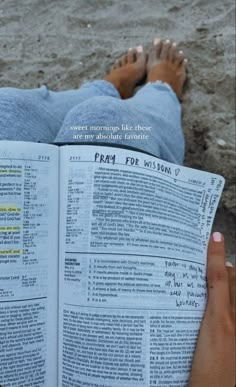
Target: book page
{"x": 28, "y": 264}
{"x": 133, "y": 237}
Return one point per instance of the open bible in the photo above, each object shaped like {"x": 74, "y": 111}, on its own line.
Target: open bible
{"x": 102, "y": 266}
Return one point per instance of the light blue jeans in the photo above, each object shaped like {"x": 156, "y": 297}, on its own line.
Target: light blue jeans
{"x": 40, "y": 115}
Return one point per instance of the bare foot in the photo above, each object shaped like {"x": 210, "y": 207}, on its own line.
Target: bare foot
{"x": 167, "y": 64}
{"x": 128, "y": 71}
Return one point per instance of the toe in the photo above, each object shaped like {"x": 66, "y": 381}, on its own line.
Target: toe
{"x": 130, "y": 56}
{"x": 140, "y": 55}
{"x": 185, "y": 63}
{"x": 123, "y": 60}
{"x": 157, "y": 47}
{"x": 169, "y": 50}
{"x": 139, "y": 51}
{"x": 179, "y": 58}
{"x": 116, "y": 65}
{"x": 172, "y": 52}
{"x": 152, "y": 55}
{"x": 154, "y": 52}
{"x": 165, "y": 50}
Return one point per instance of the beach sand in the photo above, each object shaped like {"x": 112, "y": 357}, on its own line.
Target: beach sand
{"x": 63, "y": 43}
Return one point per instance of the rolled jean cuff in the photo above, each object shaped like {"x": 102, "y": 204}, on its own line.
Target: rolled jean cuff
{"x": 163, "y": 86}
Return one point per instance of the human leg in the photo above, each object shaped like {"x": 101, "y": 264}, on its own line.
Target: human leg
{"x": 37, "y": 115}
{"x": 159, "y": 99}
{"x": 154, "y": 112}
{"x": 159, "y": 104}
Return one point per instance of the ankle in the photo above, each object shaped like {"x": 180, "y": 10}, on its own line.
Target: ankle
{"x": 113, "y": 80}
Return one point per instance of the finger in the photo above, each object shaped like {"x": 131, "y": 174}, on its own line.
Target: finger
{"x": 217, "y": 275}
{"x": 232, "y": 286}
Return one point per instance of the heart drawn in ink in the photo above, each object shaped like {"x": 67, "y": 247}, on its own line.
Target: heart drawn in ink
{"x": 177, "y": 171}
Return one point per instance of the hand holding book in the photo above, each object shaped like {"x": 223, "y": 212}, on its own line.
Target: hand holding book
{"x": 214, "y": 357}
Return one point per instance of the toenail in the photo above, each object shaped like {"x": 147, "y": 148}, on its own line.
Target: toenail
{"x": 139, "y": 48}
{"x": 174, "y": 44}
{"x": 181, "y": 52}
{"x": 156, "y": 41}
{"x": 185, "y": 61}
{"x": 167, "y": 41}
{"x": 130, "y": 49}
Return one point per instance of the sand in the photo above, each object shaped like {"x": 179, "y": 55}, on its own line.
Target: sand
{"x": 63, "y": 43}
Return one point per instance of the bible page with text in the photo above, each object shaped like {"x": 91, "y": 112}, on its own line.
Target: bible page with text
{"x": 28, "y": 264}
{"x": 133, "y": 240}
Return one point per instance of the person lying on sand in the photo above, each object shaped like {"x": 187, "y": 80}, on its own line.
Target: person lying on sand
{"x": 44, "y": 116}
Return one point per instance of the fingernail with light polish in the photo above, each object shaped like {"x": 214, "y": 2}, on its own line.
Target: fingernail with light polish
{"x": 217, "y": 237}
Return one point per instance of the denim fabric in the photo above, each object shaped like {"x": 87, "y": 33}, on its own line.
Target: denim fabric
{"x": 41, "y": 115}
